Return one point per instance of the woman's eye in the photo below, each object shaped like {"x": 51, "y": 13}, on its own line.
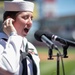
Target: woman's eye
{"x": 25, "y": 17}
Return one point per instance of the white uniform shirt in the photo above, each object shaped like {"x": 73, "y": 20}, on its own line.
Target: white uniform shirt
{"x": 10, "y": 54}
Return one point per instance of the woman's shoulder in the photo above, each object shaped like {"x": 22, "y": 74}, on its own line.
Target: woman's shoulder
{"x": 3, "y": 35}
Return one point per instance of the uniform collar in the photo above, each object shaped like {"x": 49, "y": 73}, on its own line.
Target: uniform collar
{"x": 3, "y": 35}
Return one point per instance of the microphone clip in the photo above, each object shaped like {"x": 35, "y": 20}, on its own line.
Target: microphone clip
{"x": 65, "y": 47}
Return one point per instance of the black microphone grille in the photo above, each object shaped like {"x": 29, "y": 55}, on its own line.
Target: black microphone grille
{"x": 38, "y": 35}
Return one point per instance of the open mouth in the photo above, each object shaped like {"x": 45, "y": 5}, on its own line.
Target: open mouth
{"x": 26, "y": 30}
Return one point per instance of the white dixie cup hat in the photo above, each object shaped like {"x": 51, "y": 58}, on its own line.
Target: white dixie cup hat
{"x": 18, "y": 5}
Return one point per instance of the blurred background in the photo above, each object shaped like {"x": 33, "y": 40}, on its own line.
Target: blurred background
{"x": 57, "y": 16}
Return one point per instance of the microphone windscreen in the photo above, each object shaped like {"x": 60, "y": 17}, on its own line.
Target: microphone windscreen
{"x": 38, "y": 35}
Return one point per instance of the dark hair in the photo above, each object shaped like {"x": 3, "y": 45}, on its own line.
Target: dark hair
{"x": 11, "y": 14}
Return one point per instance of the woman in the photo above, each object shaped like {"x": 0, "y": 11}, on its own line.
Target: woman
{"x": 16, "y": 25}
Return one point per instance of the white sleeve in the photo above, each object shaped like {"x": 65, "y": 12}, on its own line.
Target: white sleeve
{"x": 9, "y": 58}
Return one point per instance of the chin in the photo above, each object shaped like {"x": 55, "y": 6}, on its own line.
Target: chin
{"x": 24, "y": 35}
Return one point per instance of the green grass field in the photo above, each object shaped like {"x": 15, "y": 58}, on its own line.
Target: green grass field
{"x": 49, "y": 67}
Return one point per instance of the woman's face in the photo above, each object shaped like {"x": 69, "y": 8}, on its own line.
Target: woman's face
{"x": 23, "y": 23}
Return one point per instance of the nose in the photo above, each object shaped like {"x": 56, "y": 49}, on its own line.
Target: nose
{"x": 29, "y": 21}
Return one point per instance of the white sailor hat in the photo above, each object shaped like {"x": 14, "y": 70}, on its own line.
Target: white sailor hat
{"x": 18, "y": 5}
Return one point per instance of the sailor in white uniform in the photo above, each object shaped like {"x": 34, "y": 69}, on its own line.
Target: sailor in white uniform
{"x": 12, "y": 43}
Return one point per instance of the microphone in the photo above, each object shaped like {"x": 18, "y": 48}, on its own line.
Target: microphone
{"x": 51, "y": 36}
{"x": 43, "y": 38}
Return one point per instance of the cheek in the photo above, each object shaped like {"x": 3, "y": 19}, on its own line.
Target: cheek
{"x": 21, "y": 22}
{"x": 17, "y": 25}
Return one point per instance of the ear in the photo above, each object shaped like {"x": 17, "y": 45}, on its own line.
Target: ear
{"x": 8, "y": 17}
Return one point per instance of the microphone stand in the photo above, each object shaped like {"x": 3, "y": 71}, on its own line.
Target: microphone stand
{"x": 58, "y": 63}
{"x": 58, "y": 72}
{"x": 50, "y": 53}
